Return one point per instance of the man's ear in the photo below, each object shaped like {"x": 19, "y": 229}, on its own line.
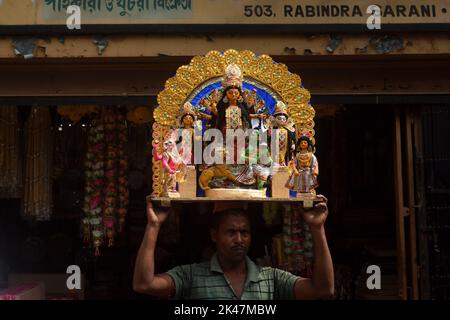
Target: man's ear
{"x": 213, "y": 233}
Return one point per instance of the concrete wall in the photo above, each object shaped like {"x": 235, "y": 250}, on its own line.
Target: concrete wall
{"x": 191, "y": 45}
{"x": 137, "y": 66}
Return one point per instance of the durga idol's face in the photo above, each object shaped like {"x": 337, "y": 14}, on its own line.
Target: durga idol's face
{"x": 233, "y": 94}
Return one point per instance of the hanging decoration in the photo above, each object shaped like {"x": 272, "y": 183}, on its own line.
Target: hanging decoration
{"x": 106, "y": 191}
{"x": 10, "y": 178}
{"x": 297, "y": 243}
{"x": 38, "y": 163}
{"x": 139, "y": 115}
{"x": 94, "y": 182}
{"x": 75, "y": 113}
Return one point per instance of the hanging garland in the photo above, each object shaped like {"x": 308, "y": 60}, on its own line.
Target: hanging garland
{"x": 298, "y": 244}
{"x": 94, "y": 176}
{"x": 10, "y": 180}
{"x": 106, "y": 191}
{"x": 38, "y": 164}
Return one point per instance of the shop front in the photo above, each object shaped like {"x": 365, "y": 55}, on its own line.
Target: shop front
{"x": 380, "y": 99}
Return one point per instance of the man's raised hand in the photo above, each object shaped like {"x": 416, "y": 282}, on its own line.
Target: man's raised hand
{"x": 156, "y": 217}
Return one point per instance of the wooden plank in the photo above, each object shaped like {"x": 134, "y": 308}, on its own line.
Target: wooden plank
{"x": 143, "y": 77}
{"x": 424, "y": 272}
{"x": 411, "y": 205}
{"x": 167, "y": 202}
{"x": 399, "y": 208}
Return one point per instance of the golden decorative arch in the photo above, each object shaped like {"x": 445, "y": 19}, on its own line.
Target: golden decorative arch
{"x": 262, "y": 69}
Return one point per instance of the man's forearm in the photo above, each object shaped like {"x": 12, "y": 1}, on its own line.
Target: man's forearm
{"x": 323, "y": 274}
{"x": 144, "y": 269}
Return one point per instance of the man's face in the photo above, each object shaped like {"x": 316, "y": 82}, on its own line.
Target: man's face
{"x": 232, "y": 238}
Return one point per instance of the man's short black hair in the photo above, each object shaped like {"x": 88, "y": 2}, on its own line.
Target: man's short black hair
{"x": 218, "y": 217}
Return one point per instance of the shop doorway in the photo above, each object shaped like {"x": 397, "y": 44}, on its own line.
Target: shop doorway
{"x": 370, "y": 160}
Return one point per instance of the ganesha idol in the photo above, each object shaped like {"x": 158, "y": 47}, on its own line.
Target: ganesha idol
{"x": 233, "y": 107}
{"x": 172, "y": 164}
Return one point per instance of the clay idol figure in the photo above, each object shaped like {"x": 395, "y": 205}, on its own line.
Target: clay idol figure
{"x": 305, "y": 168}
{"x": 285, "y": 133}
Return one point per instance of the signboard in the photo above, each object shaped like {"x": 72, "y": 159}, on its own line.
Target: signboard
{"x": 228, "y": 15}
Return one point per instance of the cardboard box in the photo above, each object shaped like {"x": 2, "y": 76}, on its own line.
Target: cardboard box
{"x": 30, "y": 291}
{"x": 55, "y": 283}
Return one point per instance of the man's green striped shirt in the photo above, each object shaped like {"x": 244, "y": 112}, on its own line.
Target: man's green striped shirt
{"x": 207, "y": 281}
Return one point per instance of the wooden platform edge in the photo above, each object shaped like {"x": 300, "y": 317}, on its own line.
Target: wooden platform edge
{"x": 166, "y": 201}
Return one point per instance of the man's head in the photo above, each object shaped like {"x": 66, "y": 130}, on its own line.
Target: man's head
{"x": 230, "y": 231}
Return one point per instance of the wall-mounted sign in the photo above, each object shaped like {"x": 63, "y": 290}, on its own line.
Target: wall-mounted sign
{"x": 228, "y": 15}
{"x": 120, "y": 11}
